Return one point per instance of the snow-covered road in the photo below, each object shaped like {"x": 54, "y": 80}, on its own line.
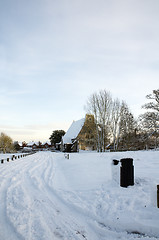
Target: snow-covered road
{"x": 47, "y": 197}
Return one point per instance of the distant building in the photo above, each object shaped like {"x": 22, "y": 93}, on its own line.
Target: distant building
{"x": 58, "y": 146}
{"x": 35, "y": 145}
{"x": 80, "y": 135}
{"x": 20, "y": 145}
{"x": 46, "y": 145}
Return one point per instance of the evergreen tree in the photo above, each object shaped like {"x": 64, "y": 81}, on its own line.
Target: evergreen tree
{"x": 56, "y": 136}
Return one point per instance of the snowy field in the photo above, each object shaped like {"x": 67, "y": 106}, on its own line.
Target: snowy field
{"x": 46, "y": 196}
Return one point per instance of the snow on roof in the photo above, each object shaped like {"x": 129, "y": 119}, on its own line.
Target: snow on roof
{"x": 32, "y": 143}
{"x": 37, "y": 143}
{"x": 47, "y": 142}
{"x": 73, "y": 131}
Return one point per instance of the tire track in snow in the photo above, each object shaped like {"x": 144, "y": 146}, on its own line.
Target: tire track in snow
{"x": 36, "y": 210}
{"x": 29, "y": 200}
{"x": 10, "y": 173}
{"x": 7, "y": 229}
{"x": 30, "y": 209}
{"x": 55, "y": 215}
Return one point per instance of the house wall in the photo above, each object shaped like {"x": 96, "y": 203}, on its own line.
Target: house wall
{"x": 87, "y": 135}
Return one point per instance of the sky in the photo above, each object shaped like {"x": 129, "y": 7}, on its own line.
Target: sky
{"x": 55, "y": 53}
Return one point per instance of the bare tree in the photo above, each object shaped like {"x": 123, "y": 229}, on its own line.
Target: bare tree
{"x": 115, "y": 122}
{"x": 150, "y": 120}
{"x": 105, "y": 110}
{"x": 100, "y": 105}
{"x": 154, "y": 104}
{"x": 127, "y": 126}
{"x": 113, "y": 119}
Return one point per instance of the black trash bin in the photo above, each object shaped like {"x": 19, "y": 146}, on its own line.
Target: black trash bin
{"x": 126, "y": 172}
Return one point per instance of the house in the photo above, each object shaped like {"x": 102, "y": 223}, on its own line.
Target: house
{"x": 46, "y": 145}
{"x": 34, "y": 145}
{"x": 20, "y": 145}
{"x": 81, "y": 135}
{"x": 58, "y": 146}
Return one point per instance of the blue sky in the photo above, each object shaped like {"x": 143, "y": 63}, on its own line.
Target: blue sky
{"x": 55, "y": 53}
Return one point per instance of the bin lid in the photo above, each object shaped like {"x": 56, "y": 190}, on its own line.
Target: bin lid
{"x": 126, "y": 161}
{"x": 115, "y": 162}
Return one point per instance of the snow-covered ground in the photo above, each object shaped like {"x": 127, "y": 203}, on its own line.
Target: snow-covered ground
{"x": 46, "y": 196}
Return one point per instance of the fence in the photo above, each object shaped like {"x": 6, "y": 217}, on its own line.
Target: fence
{"x": 14, "y": 157}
